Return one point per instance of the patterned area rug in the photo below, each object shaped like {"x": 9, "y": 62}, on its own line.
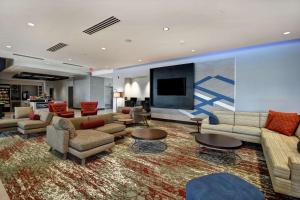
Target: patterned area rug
{"x": 29, "y": 171}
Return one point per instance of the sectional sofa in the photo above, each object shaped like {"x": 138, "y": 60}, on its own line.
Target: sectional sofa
{"x": 67, "y": 136}
{"x": 280, "y": 151}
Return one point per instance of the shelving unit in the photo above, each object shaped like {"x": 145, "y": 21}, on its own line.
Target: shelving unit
{"x": 5, "y": 97}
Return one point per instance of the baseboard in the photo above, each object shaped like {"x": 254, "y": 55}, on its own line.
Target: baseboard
{"x": 175, "y": 121}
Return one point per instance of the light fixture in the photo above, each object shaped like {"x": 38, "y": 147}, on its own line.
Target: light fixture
{"x": 181, "y": 41}
{"x": 193, "y": 50}
{"x": 8, "y": 46}
{"x": 30, "y": 24}
{"x": 166, "y": 28}
{"x": 70, "y": 59}
{"x": 103, "y": 48}
{"x": 140, "y": 60}
{"x": 286, "y": 33}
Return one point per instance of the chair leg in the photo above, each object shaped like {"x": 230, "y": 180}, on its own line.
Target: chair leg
{"x": 65, "y": 156}
{"x": 50, "y": 149}
{"x": 83, "y": 161}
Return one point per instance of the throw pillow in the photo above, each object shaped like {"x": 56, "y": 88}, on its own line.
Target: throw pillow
{"x": 126, "y": 110}
{"x": 213, "y": 119}
{"x": 271, "y": 116}
{"x": 88, "y": 124}
{"x": 285, "y": 123}
{"x": 33, "y": 116}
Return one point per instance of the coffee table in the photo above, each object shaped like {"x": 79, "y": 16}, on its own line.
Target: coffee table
{"x": 219, "y": 142}
{"x": 148, "y": 140}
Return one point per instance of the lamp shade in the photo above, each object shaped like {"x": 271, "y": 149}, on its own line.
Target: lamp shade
{"x": 118, "y": 94}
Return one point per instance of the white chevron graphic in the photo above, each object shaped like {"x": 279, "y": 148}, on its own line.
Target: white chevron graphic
{"x": 219, "y": 103}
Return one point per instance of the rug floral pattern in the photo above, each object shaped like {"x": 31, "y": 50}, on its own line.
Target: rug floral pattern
{"x": 30, "y": 172}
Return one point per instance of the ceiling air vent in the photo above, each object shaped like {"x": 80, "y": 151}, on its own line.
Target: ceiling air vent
{"x": 73, "y": 65}
{"x": 26, "y": 56}
{"x": 102, "y": 25}
{"x": 57, "y": 47}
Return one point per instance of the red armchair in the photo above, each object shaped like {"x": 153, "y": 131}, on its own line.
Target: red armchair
{"x": 61, "y": 110}
{"x": 89, "y": 108}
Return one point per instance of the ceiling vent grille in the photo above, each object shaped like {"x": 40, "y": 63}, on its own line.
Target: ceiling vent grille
{"x": 102, "y": 25}
{"x": 26, "y": 56}
{"x": 57, "y": 47}
{"x": 73, "y": 64}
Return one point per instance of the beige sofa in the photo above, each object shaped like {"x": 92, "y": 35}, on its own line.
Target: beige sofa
{"x": 282, "y": 157}
{"x": 133, "y": 114}
{"x": 66, "y": 136}
{"x": 28, "y": 127}
{"x": 20, "y": 114}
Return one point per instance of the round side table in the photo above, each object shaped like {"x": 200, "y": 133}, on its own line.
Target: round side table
{"x": 198, "y": 120}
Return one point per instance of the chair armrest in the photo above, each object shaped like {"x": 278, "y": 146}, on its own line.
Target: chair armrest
{"x": 294, "y": 164}
{"x": 58, "y": 139}
{"x": 205, "y": 121}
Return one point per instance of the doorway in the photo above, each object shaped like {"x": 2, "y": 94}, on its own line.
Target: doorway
{"x": 108, "y": 97}
{"x": 70, "y": 97}
{"x": 51, "y": 93}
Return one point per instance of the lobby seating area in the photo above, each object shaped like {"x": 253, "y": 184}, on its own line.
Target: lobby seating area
{"x": 149, "y": 100}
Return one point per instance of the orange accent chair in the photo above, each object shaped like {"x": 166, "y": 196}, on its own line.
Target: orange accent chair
{"x": 89, "y": 108}
{"x": 61, "y": 110}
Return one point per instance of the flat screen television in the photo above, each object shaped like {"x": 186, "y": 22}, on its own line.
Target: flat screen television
{"x": 171, "y": 86}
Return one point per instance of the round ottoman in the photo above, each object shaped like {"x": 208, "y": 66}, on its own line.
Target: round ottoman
{"x": 221, "y": 186}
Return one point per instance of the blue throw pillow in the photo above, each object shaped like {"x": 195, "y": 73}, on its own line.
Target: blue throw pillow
{"x": 213, "y": 119}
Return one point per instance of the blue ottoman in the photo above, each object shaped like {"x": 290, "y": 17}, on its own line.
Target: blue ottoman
{"x": 221, "y": 186}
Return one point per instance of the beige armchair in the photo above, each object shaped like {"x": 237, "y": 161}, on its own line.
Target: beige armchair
{"x": 133, "y": 114}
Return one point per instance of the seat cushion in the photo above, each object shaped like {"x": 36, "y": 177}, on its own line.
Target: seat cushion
{"x": 278, "y": 148}
{"x": 111, "y": 128}
{"x": 31, "y": 124}
{"x": 121, "y": 116}
{"x": 89, "y": 139}
{"x": 89, "y": 112}
{"x": 248, "y": 130}
{"x": 7, "y": 123}
{"x": 218, "y": 127}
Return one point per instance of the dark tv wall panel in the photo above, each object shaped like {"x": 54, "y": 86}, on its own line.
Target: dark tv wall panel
{"x": 186, "y": 101}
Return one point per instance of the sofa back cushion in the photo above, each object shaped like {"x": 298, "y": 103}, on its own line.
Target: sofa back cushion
{"x": 76, "y": 121}
{"x": 225, "y": 117}
{"x": 46, "y": 116}
{"x": 65, "y": 124}
{"x": 263, "y": 119}
{"x": 90, "y": 124}
{"x": 246, "y": 119}
{"x": 22, "y": 112}
{"x": 108, "y": 118}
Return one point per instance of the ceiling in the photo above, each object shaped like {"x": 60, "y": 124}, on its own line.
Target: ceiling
{"x": 204, "y": 26}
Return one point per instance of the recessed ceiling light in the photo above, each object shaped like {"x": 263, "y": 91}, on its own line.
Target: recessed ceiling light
{"x": 30, "y": 24}
{"x": 286, "y": 33}
{"x": 181, "y": 41}
{"x": 103, "y": 48}
{"x": 70, "y": 59}
{"x": 166, "y": 28}
{"x": 8, "y": 46}
{"x": 140, "y": 60}
{"x": 193, "y": 50}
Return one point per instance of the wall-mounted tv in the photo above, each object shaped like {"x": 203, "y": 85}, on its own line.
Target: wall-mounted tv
{"x": 171, "y": 86}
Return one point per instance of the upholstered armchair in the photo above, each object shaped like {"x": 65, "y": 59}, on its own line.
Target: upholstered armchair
{"x": 89, "y": 108}
{"x": 61, "y": 110}
{"x": 129, "y": 113}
